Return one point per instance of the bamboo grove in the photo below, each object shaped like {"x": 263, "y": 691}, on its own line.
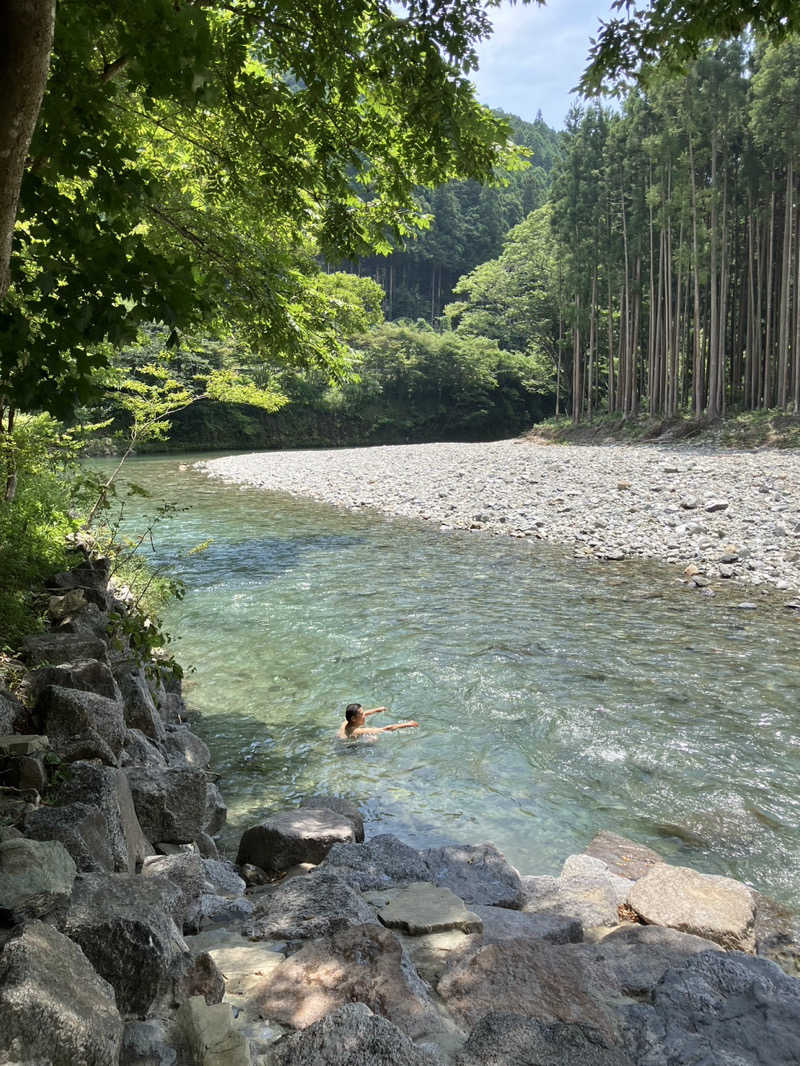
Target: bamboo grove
{"x": 676, "y": 241}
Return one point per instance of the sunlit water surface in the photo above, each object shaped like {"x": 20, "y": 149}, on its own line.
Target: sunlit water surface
{"x": 555, "y": 697}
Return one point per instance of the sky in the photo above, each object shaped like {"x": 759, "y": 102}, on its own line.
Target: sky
{"x": 536, "y": 56}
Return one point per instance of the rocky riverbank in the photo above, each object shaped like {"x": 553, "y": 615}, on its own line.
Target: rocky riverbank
{"x": 126, "y": 939}
{"x": 718, "y": 516}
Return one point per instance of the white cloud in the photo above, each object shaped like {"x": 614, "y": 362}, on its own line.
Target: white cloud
{"x": 536, "y": 56}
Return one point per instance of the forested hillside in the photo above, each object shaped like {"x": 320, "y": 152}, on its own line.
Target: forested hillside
{"x": 468, "y": 223}
{"x": 666, "y": 275}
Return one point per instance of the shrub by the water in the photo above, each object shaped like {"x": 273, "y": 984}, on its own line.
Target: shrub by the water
{"x": 35, "y": 519}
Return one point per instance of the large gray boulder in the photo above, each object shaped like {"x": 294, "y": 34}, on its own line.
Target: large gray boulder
{"x": 85, "y": 675}
{"x": 54, "y": 1008}
{"x": 107, "y": 789}
{"x": 185, "y": 749}
{"x": 503, "y": 1039}
{"x": 351, "y": 1036}
{"x": 590, "y": 900}
{"x": 341, "y": 806}
{"x": 379, "y": 863}
{"x": 223, "y": 878}
{"x": 91, "y": 577}
{"x": 533, "y": 978}
{"x": 640, "y": 955}
{"x": 140, "y": 709}
{"x": 592, "y": 869}
{"x": 80, "y": 827}
{"x": 185, "y": 870}
{"x": 36, "y": 880}
{"x": 717, "y": 908}
{"x": 124, "y": 924}
{"x": 718, "y": 1009}
{"x": 56, "y": 648}
{"x": 138, "y": 750}
{"x": 623, "y": 857}
{"x": 307, "y": 907}
{"x": 170, "y": 803}
{"x": 363, "y": 964}
{"x": 477, "y": 873}
{"x": 14, "y": 718}
{"x": 288, "y": 838}
{"x": 500, "y": 923}
{"x": 82, "y": 725}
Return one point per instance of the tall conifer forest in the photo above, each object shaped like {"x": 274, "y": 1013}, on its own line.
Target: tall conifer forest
{"x": 661, "y": 273}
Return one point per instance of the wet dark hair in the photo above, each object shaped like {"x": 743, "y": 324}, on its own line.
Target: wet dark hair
{"x": 351, "y": 711}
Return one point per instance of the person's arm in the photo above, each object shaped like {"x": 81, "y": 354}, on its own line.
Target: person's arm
{"x": 384, "y": 728}
{"x": 375, "y": 710}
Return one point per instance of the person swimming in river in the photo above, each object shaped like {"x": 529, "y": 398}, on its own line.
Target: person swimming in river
{"x": 354, "y": 718}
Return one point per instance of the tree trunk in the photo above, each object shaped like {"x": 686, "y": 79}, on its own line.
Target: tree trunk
{"x": 768, "y": 393}
{"x": 26, "y": 39}
{"x": 697, "y": 368}
{"x": 786, "y": 272}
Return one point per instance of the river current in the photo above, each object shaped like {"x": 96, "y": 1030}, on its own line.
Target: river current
{"x": 555, "y": 697}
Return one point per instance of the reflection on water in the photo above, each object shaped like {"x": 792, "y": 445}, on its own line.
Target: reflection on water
{"x": 555, "y": 697}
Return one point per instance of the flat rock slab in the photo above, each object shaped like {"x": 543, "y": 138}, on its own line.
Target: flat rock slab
{"x": 242, "y": 963}
{"x": 382, "y": 862}
{"x": 717, "y": 908}
{"x": 54, "y": 1008}
{"x": 531, "y": 978}
{"x": 640, "y": 955}
{"x": 423, "y": 908}
{"x": 435, "y": 953}
{"x": 365, "y": 965}
{"x": 307, "y": 907}
{"x": 56, "y": 648}
{"x": 623, "y": 857}
{"x": 500, "y": 923}
{"x": 351, "y": 1036}
{"x": 721, "y": 1009}
{"x": 503, "y": 1039}
{"x": 478, "y": 874}
{"x": 590, "y": 900}
{"x": 23, "y": 744}
{"x": 291, "y": 837}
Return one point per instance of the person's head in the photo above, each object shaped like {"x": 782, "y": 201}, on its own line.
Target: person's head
{"x": 354, "y": 714}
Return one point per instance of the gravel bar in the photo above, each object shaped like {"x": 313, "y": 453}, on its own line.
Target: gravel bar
{"x": 718, "y": 515}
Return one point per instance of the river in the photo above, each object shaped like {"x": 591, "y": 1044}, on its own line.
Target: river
{"x": 555, "y": 697}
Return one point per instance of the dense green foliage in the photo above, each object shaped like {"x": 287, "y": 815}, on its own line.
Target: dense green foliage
{"x": 664, "y": 275}
{"x": 468, "y": 223}
{"x": 667, "y": 34}
{"x": 34, "y": 526}
{"x": 408, "y": 383}
{"x": 676, "y": 222}
{"x": 191, "y": 160}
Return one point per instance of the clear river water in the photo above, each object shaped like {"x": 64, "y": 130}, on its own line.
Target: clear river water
{"x": 555, "y": 697}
